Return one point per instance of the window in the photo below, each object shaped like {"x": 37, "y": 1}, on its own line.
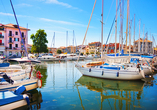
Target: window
{"x": 16, "y": 39}
{"x": 16, "y": 53}
{"x": 16, "y": 45}
{"x": 10, "y": 46}
{"x": 22, "y": 34}
{"x": 10, "y": 33}
{"x": 10, "y": 53}
{"x": 16, "y": 33}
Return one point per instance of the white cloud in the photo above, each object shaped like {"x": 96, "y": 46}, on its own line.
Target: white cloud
{"x": 61, "y": 22}
{"x": 62, "y": 4}
{"x": 6, "y": 14}
{"x": 24, "y": 5}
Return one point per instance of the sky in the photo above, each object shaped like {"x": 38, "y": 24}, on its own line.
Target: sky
{"x": 72, "y": 16}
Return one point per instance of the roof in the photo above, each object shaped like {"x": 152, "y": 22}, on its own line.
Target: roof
{"x": 94, "y": 42}
{"x": 141, "y": 40}
{"x": 15, "y": 26}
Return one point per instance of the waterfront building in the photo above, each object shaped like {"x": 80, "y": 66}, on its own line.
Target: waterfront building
{"x": 144, "y": 47}
{"x": 94, "y": 47}
{"x": 29, "y": 47}
{"x": 52, "y": 50}
{"x": 11, "y": 43}
{"x": 110, "y": 48}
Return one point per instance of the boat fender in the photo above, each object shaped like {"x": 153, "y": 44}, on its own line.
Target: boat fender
{"x": 25, "y": 96}
{"x": 82, "y": 66}
{"x": 39, "y": 83}
{"x": 20, "y": 90}
{"x": 89, "y": 69}
{"x": 102, "y": 72}
{"x": 117, "y": 74}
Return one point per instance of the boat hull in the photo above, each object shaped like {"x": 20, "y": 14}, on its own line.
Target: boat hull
{"x": 110, "y": 74}
{"x": 30, "y": 84}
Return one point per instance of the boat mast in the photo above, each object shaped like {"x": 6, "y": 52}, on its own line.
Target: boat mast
{"x": 87, "y": 30}
{"x": 67, "y": 41}
{"x": 139, "y": 38}
{"x": 127, "y": 25}
{"x": 134, "y": 33}
{"x": 122, "y": 4}
{"x": 73, "y": 41}
{"x": 102, "y": 32}
{"x": 143, "y": 39}
{"x": 129, "y": 36}
{"x": 116, "y": 29}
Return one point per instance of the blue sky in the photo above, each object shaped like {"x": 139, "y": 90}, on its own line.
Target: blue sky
{"x": 60, "y": 16}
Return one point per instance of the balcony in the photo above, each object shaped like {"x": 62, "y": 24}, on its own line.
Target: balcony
{"x": 9, "y": 48}
{"x": 1, "y": 44}
{"x": 23, "y": 42}
{"x": 10, "y": 41}
{"x": 16, "y": 48}
{"x": 1, "y": 36}
{"x": 23, "y": 36}
{"x": 1, "y": 29}
{"x": 11, "y": 35}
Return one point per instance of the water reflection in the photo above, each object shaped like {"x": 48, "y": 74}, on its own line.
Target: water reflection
{"x": 118, "y": 94}
{"x": 35, "y": 101}
{"x": 43, "y": 69}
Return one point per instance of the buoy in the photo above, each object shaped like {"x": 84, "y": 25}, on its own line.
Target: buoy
{"x": 38, "y": 75}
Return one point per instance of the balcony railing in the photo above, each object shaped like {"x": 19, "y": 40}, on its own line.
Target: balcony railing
{"x": 1, "y": 44}
{"x": 1, "y": 36}
{"x": 16, "y": 48}
{"x": 1, "y": 28}
{"x": 9, "y": 48}
{"x": 23, "y": 36}
{"x": 11, "y": 35}
{"x": 23, "y": 42}
{"x": 10, "y": 41}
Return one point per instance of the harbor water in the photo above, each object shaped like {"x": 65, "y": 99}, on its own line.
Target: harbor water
{"x": 64, "y": 88}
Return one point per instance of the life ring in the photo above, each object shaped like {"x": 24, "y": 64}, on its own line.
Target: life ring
{"x": 39, "y": 83}
{"x": 38, "y": 75}
{"x": 144, "y": 63}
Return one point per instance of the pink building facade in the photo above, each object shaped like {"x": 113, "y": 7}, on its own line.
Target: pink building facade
{"x": 10, "y": 40}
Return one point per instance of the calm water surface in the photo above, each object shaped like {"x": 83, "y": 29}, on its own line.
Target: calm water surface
{"x": 64, "y": 88}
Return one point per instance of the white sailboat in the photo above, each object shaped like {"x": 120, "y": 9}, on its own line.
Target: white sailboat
{"x": 110, "y": 71}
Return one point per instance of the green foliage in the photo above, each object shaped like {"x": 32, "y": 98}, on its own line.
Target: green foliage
{"x": 59, "y": 51}
{"x": 98, "y": 53}
{"x": 87, "y": 53}
{"x": 91, "y": 52}
{"x": 39, "y": 42}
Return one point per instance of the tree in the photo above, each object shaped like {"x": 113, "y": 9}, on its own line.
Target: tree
{"x": 91, "y": 52}
{"x": 39, "y": 42}
{"x": 87, "y": 53}
{"x": 59, "y": 51}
